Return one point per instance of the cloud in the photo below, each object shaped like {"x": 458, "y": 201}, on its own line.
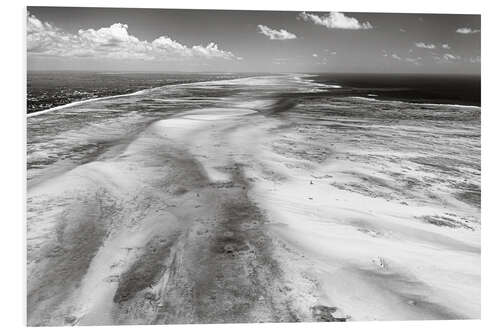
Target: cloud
{"x": 335, "y": 20}
{"x": 467, "y": 31}
{"x": 402, "y": 30}
{"x": 281, "y": 34}
{"x": 112, "y": 42}
{"x": 41, "y": 36}
{"x": 446, "y": 46}
{"x": 449, "y": 56}
{"x": 395, "y": 56}
{"x": 415, "y": 61}
{"x": 323, "y": 61}
{"x": 315, "y": 55}
{"x": 446, "y": 58}
{"x": 423, "y": 45}
{"x": 211, "y": 51}
{"x": 113, "y": 35}
{"x": 475, "y": 60}
{"x": 169, "y": 45}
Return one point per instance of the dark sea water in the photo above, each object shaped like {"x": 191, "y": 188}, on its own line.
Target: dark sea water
{"x": 417, "y": 88}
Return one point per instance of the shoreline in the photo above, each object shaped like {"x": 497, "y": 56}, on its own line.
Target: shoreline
{"x": 55, "y": 108}
{"x": 332, "y": 86}
{"x": 139, "y": 92}
{"x": 75, "y": 103}
{"x": 414, "y": 103}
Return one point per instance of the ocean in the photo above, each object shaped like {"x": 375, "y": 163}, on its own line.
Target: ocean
{"x": 357, "y": 195}
{"x": 416, "y": 88}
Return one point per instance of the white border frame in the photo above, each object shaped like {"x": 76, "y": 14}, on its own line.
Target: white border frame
{"x": 13, "y": 164}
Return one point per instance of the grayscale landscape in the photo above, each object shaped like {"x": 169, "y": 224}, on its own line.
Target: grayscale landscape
{"x": 251, "y": 194}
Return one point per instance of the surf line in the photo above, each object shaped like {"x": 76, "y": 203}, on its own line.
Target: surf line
{"x": 33, "y": 114}
{"x": 83, "y": 102}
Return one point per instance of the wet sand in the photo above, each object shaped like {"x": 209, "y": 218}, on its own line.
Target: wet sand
{"x": 236, "y": 209}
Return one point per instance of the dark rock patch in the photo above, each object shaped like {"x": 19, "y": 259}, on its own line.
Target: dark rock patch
{"x": 325, "y": 313}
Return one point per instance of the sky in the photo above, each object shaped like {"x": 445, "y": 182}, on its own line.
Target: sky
{"x": 127, "y": 39}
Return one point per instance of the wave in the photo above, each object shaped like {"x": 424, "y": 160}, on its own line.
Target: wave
{"x": 301, "y": 77}
{"x": 83, "y": 102}
{"x": 451, "y": 105}
{"x": 415, "y": 103}
{"x": 139, "y": 92}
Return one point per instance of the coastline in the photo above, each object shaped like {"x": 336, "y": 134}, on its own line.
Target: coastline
{"x": 415, "y": 103}
{"x": 139, "y": 92}
{"x": 64, "y": 106}
{"x": 299, "y": 76}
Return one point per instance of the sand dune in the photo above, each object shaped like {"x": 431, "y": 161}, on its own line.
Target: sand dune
{"x": 249, "y": 207}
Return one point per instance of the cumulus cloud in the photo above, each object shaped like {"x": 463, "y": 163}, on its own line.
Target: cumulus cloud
{"x": 467, "y": 30}
{"x": 323, "y": 61}
{"x": 113, "y": 42}
{"x": 423, "y": 45}
{"x": 445, "y": 46}
{"x": 169, "y": 45}
{"x": 446, "y": 58}
{"x": 41, "y": 36}
{"x": 335, "y": 20}
{"x": 449, "y": 56}
{"x": 415, "y": 61}
{"x": 395, "y": 56}
{"x": 113, "y": 35}
{"x": 273, "y": 34}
